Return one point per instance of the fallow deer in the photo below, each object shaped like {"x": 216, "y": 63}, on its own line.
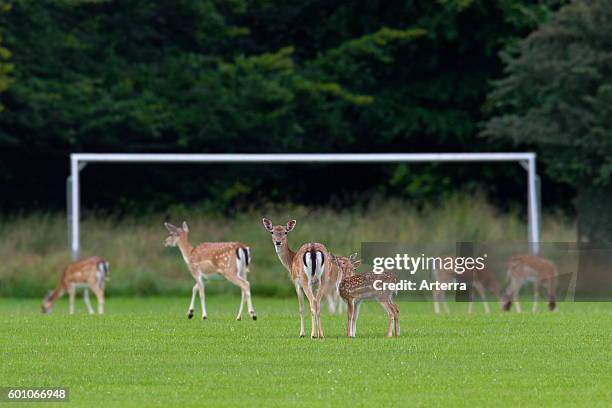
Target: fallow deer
{"x": 311, "y": 264}
{"x": 229, "y": 259}
{"x": 523, "y": 268}
{"x": 354, "y": 288}
{"x": 480, "y": 280}
{"x": 88, "y": 273}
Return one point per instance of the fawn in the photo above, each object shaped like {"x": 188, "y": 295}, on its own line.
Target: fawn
{"x": 356, "y": 287}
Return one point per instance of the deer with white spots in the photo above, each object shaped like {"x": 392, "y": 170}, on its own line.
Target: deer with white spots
{"x": 354, "y": 288}
{"x": 310, "y": 265}
{"x": 535, "y": 269}
{"x": 87, "y": 273}
{"x": 229, "y": 259}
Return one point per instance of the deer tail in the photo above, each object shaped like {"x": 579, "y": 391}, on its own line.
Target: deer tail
{"x": 243, "y": 260}
{"x": 314, "y": 264}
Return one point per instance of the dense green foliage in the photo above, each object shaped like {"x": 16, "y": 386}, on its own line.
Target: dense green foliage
{"x": 145, "y": 352}
{"x": 557, "y": 94}
{"x": 249, "y": 76}
{"x": 5, "y": 54}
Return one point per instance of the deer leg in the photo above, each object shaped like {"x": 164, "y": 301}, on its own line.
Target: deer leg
{"x": 536, "y": 293}
{"x": 71, "y": 295}
{"x": 385, "y": 304}
{"x": 397, "y": 324}
{"x": 87, "y": 301}
{"x": 313, "y": 310}
{"x": 324, "y": 288}
{"x": 471, "y": 300}
{"x": 249, "y": 301}
{"x": 300, "y": 295}
{"x": 242, "y": 301}
{"x": 440, "y": 298}
{"x": 245, "y": 288}
{"x": 481, "y": 292}
{"x": 512, "y": 294}
{"x": 100, "y": 298}
{"x": 436, "y": 302}
{"x": 356, "y": 316}
{"x": 201, "y": 289}
{"x": 350, "y": 307}
{"x": 194, "y": 293}
{"x": 319, "y": 323}
{"x": 515, "y": 296}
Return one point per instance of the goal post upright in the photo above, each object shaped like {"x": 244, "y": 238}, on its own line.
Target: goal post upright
{"x": 79, "y": 160}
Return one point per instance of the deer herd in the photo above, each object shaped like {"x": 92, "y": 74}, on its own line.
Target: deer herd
{"x": 314, "y": 272}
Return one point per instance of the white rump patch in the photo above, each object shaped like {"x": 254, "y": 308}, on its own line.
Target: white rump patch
{"x": 319, "y": 267}
{"x": 241, "y": 262}
{"x": 308, "y": 265}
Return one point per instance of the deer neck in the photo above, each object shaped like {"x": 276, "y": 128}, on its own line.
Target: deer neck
{"x": 57, "y": 292}
{"x": 285, "y": 254}
{"x": 185, "y": 247}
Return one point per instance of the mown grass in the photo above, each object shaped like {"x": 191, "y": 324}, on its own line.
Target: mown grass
{"x": 34, "y": 248}
{"x": 145, "y": 352}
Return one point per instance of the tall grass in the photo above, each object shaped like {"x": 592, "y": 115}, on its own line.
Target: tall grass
{"x": 34, "y": 249}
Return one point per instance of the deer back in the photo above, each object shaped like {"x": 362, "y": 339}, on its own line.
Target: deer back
{"x": 361, "y": 285}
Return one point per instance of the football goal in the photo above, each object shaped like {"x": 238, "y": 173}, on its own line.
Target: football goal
{"x": 79, "y": 160}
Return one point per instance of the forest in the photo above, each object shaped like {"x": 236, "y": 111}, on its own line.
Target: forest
{"x": 304, "y": 76}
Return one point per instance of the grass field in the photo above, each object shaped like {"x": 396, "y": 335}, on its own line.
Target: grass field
{"x": 145, "y": 352}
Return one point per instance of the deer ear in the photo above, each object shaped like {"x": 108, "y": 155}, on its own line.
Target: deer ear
{"x": 185, "y": 226}
{"x": 267, "y": 224}
{"x": 334, "y": 258}
{"x": 352, "y": 257}
{"x": 171, "y": 228}
{"x": 291, "y": 225}
{"x": 356, "y": 264}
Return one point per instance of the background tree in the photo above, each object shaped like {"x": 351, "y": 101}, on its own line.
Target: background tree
{"x": 557, "y": 95}
{"x": 250, "y": 76}
{"x": 5, "y": 54}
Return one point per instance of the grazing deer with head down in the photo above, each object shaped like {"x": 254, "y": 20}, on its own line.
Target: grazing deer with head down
{"x": 356, "y": 287}
{"x": 480, "y": 280}
{"x": 311, "y": 264}
{"x": 229, "y": 259}
{"x": 523, "y": 268}
{"x": 89, "y": 273}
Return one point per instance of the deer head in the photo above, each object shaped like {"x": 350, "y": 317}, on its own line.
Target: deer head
{"x": 176, "y": 234}
{"x": 47, "y": 304}
{"x": 347, "y": 264}
{"x": 279, "y": 232}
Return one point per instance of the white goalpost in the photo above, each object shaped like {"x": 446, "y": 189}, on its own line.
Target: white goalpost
{"x": 79, "y": 160}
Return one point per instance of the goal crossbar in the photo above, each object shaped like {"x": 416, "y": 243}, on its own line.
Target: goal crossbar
{"x": 79, "y": 160}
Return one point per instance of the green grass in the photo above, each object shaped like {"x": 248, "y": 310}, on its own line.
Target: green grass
{"x": 145, "y": 352}
{"x": 34, "y": 248}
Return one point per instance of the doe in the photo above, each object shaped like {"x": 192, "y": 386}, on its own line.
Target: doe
{"x": 88, "y": 273}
